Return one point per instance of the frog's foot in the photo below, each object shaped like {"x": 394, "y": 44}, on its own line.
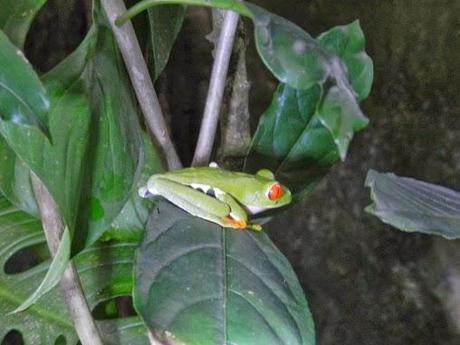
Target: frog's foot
{"x": 238, "y": 224}
{"x": 254, "y": 227}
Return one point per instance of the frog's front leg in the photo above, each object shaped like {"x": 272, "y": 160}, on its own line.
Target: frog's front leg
{"x": 238, "y": 214}
{"x": 193, "y": 201}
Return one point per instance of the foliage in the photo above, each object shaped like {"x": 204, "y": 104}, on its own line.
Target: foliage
{"x": 105, "y": 272}
{"x": 194, "y": 282}
{"x": 411, "y": 205}
{"x": 251, "y": 295}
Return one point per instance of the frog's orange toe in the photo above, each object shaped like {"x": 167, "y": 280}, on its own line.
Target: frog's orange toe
{"x": 235, "y": 223}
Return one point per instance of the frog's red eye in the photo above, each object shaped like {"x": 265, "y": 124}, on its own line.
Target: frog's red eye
{"x": 275, "y": 192}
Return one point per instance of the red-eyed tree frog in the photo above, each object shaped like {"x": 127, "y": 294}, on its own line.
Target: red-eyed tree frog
{"x": 220, "y": 196}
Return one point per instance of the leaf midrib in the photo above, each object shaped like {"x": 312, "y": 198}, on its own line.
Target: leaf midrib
{"x": 35, "y": 309}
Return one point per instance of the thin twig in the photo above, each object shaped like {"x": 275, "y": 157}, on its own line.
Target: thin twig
{"x": 70, "y": 283}
{"x": 216, "y": 90}
{"x": 142, "y": 83}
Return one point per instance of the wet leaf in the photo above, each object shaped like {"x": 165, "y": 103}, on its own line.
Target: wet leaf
{"x": 196, "y": 283}
{"x": 23, "y": 98}
{"x": 96, "y": 155}
{"x": 414, "y": 206}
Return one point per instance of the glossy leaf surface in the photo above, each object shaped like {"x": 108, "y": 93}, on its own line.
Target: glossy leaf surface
{"x": 304, "y": 132}
{"x": 414, "y": 206}
{"x": 292, "y": 142}
{"x": 23, "y": 98}
{"x": 97, "y": 152}
{"x": 105, "y": 272}
{"x": 196, "y": 283}
{"x": 16, "y": 17}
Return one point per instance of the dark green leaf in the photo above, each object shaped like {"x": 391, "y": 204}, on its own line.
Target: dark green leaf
{"x": 117, "y": 149}
{"x": 58, "y": 165}
{"x": 23, "y": 99}
{"x": 15, "y": 181}
{"x": 130, "y": 223}
{"x": 199, "y": 284}
{"x": 304, "y": 132}
{"x": 347, "y": 42}
{"x": 16, "y": 17}
{"x": 292, "y": 141}
{"x": 105, "y": 272}
{"x": 54, "y": 273}
{"x": 414, "y": 206}
{"x": 96, "y": 153}
{"x": 165, "y": 23}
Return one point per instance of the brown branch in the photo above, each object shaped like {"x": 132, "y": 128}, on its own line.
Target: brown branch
{"x": 141, "y": 81}
{"x": 77, "y": 306}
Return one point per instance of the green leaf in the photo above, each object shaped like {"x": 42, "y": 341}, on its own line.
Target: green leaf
{"x": 60, "y": 164}
{"x": 16, "y": 17}
{"x": 117, "y": 158}
{"x": 292, "y": 141}
{"x": 23, "y": 99}
{"x": 105, "y": 272}
{"x": 199, "y": 284}
{"x": 414, "y": 206}
{"x": 348, "y": 42}
{"x": 97, "y": 153}
{"x": 340, "y": 113}
{"x": 130, "y": 223}
{"x": 15, "y": 182}
{"x": 54, "y": 273}
{"x": 304, "y": 132}
{"x": 165, "y": 23}
{"x": 292, "y": 55}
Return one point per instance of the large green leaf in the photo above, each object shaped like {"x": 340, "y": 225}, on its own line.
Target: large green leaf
{"x": 414, "y": 206}
{"x": 304, "y": 132}
{"x": 200, "y": 284}
{"x": 105, "y": 272}
{"x": 59, "y": 164}
{"x": 16, "y": 17}
{"x": 96, "y": 152}
{"x": 23, "y": 98}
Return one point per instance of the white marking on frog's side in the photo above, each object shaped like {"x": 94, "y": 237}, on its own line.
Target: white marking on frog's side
{"x": 203, "y": 187}
{"x": 213, "y": 165}
{"x": 255, "y": 209}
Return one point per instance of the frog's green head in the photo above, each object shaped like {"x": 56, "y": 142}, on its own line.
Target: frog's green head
{"x": 272, "y": 194}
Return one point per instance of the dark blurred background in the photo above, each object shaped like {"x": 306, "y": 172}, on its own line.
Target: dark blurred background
{"x": 366, "y": 283}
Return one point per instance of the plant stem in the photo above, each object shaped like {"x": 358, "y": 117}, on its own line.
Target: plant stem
{"x": 236, "y": 6}
{"x": 70, "y": 283}
{"x": 216, "y": 90}
{"x": 141, "y": 81}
